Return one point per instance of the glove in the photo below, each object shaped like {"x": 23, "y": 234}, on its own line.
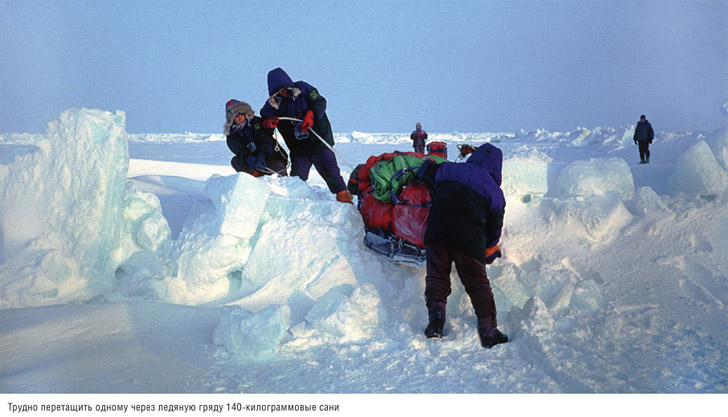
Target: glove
{"x": 251, "y": 147}
{"x": 635, "y": 142}
{"x": 307, "y": 121}
{"x": 260, "y": 165}
{"x": 270, "y": 123}
{"x": 491, "y": 254}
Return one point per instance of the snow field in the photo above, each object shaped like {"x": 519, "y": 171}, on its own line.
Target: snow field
{"x": 613, "y": 277}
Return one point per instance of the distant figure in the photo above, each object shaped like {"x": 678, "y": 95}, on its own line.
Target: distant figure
{"x": 302, "y": 101}
{"x": 643, "y": 135}
{"x": 464, "y": 227}
{"x": 418, "y": 137}
{"x": 256, "y": 152}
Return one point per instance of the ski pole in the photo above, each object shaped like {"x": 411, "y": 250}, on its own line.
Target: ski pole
{"x": 293, "y": 119}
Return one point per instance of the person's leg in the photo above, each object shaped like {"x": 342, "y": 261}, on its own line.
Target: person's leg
{"x": 643, "y": 150}
{"x": 477, "y": 285}
{"x": 437, "y": 288}
{"x": 326, "y": 165}
{"x": 647, "y": 152}
{"x": 300, "y": 167}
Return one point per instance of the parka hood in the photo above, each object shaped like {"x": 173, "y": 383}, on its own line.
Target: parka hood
{"x": 277, "y": 80}
{"x": 490, "y": 158}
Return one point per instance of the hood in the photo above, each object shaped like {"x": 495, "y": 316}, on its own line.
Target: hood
{"x": 278, "y": 79}
{"x": 232, "y": 109}
{"x": 490, "y": 158}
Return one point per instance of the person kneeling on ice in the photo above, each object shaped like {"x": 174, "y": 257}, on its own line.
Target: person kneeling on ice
{"x": 464, "y": 226}
{"x": 302, "y": 101}
{"x": 254, "y": 149}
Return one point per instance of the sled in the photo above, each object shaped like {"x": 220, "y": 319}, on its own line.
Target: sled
{"x": 394, "y": 205}
{"x": 437, "y": 149}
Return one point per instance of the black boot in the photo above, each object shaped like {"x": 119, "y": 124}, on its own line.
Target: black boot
{"x": 437, "y": 323}
{"x": 489, "y": 333}
{"x": 491, "y": 337}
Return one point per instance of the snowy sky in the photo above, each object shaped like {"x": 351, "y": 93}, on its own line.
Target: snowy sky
{"x": 383, "y": 66}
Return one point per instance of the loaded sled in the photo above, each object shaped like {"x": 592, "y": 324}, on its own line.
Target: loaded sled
{"x": 394, "y": 204}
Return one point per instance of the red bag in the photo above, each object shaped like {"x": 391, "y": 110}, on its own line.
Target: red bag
{"x": 375, "y": 213}
{"x": 410, "y": 217}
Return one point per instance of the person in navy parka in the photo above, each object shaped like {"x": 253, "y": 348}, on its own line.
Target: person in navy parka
{"x": 643, "y": 135}
{"x": 464, "y": 227}
{"x": 302, "y": 101}
{"x": 254, "y": 149}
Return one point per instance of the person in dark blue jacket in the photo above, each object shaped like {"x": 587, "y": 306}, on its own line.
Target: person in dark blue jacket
{"x": 464, "y": 227}
{"x": 302, "y": 101}
{"x": 256, "y": 152}
{"x": 643, "y": 135}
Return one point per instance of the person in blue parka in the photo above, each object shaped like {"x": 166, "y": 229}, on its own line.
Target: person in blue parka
{"x": 256, "y": 152}
{"x": 302, "y": 101}
{"x": 643, "y": 136}
{"x": 464, "y": 227}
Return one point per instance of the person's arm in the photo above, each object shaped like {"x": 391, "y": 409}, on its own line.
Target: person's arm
{"x": 494, "y": 227}
{"x": 234, "y": 143}
{"x": 263, "y": 140}
{"x": 315, "y": 101}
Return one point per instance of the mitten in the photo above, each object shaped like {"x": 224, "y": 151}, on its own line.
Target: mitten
{"x": 307, "y": 121}
{"x": 491, "y": 254}
{"x": 270, "y": 123}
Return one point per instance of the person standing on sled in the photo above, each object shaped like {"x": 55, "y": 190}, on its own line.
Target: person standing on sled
{"x": 302, "y": 101}
{"x": 252, "y": 146}
{"x": 643, "y": 135}
{"x": 418, "y": 137}
{"x": 464, "y": 227}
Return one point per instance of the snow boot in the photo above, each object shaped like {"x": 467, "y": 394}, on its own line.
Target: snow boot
{"x": 491, "y": 337}
{"x": 344, "y": 196}
{"x": 489, "y": 333}
{"x": 437, "y": 323}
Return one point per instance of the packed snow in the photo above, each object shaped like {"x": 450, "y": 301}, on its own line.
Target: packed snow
{"x": 144, "y": 263}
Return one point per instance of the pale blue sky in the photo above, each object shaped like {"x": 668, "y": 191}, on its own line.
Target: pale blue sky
{"x": 475, "y": 66}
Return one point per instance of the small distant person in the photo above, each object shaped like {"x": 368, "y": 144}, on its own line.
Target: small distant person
{"x": 418, "y": 137}
{"x": 256, "y": 152}
{"x": 643, "y": 135}
{"x": 464, "y": 227}
{"x": 302, "y": 101}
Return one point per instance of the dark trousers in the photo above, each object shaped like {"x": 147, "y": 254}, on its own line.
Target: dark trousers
{"x": 472, "y": 275}
{"x": 325, "y": 162}
{"x": 644, "y": 150}
{"x": 419, "y": 147}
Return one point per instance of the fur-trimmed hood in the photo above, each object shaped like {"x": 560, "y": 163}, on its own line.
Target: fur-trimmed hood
{"x": 232, "y": 109}
{"x": 278, "y": 80}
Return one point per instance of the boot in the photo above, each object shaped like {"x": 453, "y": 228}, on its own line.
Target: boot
{"x": 437, "y": 323}
{"x": 344, "y": 196}
{"x": 489, "y": 333}
{"x": 647, "y": 160}
{"x": 491, "y": 337}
